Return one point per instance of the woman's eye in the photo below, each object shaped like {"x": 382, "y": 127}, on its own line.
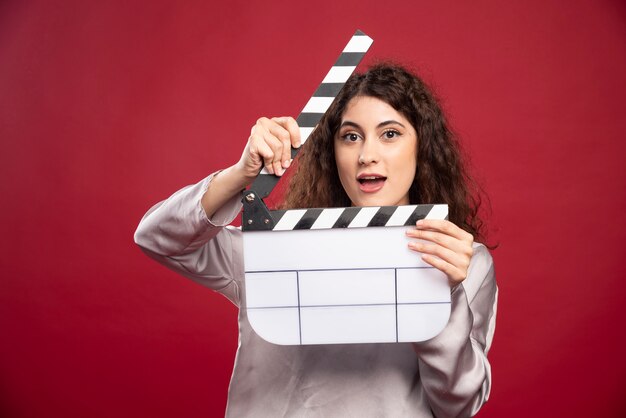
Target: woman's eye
{"x": 351, "y": 137}
{"x": 391, "y": 134}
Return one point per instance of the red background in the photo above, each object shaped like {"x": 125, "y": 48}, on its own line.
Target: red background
{"x": 109, "y": 107}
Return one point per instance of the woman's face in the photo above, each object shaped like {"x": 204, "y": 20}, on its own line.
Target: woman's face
{"x": 376, "y": 153}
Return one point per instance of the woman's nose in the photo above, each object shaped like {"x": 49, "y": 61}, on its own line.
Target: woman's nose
{"x": 369, "y": 152}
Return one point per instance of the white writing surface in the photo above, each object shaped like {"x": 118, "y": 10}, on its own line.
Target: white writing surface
{"x": 346, "y": 285}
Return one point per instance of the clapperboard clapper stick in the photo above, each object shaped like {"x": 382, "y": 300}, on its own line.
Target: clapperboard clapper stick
{"x": 338, "y": 275}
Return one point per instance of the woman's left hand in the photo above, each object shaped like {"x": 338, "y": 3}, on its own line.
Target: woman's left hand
{"x": 448, "y": 247}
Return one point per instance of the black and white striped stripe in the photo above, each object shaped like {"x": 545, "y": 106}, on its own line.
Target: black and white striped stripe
{"x": 321, "y": 100}
{"x": 355, "y": 217}
{"x": 334, "y": 81}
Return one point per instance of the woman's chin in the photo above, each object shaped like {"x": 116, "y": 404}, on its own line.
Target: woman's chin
{"x": 379, "y": 199}
{"x": 372, "y": 201}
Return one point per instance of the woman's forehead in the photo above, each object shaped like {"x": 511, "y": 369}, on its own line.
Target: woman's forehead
{"x": 370, "y": 110}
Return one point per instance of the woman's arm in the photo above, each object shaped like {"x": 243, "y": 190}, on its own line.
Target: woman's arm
{"x": 178, "y": 234}
{"x": 269, "y": 144}
{"x": 454, "y": 369}
{"x": 186, "y": 232}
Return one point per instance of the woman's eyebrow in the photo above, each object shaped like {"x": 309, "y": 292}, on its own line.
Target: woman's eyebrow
{"x": 390, "y": 122}
{"x": 380, "y": 125}
{"x": 349, "y": 123}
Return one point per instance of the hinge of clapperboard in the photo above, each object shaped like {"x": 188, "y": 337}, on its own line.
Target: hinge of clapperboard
{"x": 256, "y": 215}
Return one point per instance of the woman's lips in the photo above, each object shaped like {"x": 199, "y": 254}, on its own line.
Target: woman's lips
{"x": 371, "y": 184}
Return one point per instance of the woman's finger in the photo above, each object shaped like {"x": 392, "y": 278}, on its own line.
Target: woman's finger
{"x": 260, "y": 150}
{"x": 443, "y": 245}
{"x": 461, "y": 261}
{"x": 290, "y": 125}
{"x": 447, "y": 241}
{"x": 454, "y": 274}
{"x": 284, "y": 137}
{"x": 279, "y": 135}
{"x": 277, "y": 147}
{"x": 445, "y": 227}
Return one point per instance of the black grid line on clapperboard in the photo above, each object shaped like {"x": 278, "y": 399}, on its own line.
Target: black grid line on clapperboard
{"x": 299, "y": 312}
{"x": 299, "y": 306}
{"x": 357, "y": 218}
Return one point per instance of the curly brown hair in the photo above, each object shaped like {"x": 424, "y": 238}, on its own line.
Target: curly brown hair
{"x": 441, "y": 175}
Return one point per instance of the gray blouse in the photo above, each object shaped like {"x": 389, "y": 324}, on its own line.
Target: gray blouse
{"x": 446, "y": 376}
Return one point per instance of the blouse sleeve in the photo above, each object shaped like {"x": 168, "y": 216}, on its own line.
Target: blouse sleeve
{"x": 453, "y": 366}
{"x": 177, "y": 233}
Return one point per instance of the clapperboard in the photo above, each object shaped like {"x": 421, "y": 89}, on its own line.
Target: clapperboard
{"x": 338, "y": 275}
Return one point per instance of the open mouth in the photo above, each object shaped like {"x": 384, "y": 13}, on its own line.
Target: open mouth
{"x": 372, "y": 179}
{"x": 371, "y": 183}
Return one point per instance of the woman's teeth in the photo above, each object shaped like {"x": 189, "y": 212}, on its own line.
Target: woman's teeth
{"x": 369, "y": 179}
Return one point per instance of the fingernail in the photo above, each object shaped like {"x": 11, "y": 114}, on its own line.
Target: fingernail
{"x": 287, "y": 164}
{"x": 420, "y": 222}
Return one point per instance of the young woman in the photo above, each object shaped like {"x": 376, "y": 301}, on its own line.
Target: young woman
{"x": 384, "y": 141}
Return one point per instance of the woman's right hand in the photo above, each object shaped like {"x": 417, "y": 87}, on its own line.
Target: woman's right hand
{"x": 270, "y": 145}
